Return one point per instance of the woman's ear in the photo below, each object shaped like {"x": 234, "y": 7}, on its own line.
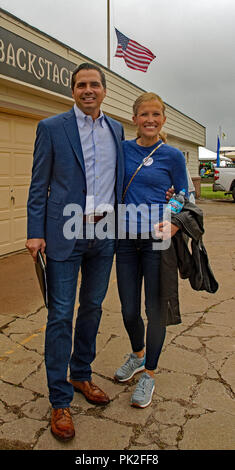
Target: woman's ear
{"x": 134, "y": 119}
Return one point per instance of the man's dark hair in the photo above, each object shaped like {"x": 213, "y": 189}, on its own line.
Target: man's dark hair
{"x": 88, "y": 66}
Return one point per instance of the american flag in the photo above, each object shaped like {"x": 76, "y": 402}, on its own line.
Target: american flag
{"x": 137, "y": 57}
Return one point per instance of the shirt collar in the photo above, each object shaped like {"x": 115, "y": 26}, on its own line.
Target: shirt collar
{"x": 82, "y": 118}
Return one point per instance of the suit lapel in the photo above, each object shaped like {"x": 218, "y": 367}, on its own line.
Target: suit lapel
{"x": 120, "y": 160}
{"x": 71, "y": 129}
{"x": 116, "y": 137}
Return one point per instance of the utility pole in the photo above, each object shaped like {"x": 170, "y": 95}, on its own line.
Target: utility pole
{"x": 108, "y": 34}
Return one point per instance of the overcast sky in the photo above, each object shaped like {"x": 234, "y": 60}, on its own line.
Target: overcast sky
{"x": 193, "y": 40}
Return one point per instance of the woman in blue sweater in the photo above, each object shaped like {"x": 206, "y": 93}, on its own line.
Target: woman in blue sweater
{"x": 136, "y": 258}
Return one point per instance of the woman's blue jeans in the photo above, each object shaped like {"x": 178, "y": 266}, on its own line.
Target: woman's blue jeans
{"x": 135, "y": 261}
{"x": 95, "y": 258}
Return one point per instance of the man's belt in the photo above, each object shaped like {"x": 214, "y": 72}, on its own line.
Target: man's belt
{"x": 93, "y": 218}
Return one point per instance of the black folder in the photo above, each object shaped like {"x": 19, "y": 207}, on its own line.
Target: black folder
{"x": 42, "y": 278}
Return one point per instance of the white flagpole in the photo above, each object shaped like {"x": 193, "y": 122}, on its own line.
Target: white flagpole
{"x": 108, "y": 34}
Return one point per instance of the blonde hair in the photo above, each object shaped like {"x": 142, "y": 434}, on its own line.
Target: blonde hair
{"x": 149, "y": 96}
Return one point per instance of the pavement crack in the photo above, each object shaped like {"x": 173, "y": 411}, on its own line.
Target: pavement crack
{"x": 6, "y": 444}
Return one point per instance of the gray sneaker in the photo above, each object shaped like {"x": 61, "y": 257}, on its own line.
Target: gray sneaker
{"x": 133, "y": 365}
{"x": 143, "y": 393}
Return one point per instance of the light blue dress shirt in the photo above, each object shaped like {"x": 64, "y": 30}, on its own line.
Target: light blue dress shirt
{"x": 100, "y": 156}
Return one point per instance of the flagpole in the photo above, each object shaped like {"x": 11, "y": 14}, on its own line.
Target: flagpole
{"x": 218, "y": 146}
{"x": 108, "y": 34}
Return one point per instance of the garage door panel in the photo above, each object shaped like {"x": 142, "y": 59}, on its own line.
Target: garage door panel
{"x": 5, "y": 230}
{"x": 22, "y": 181}
{"x": 19, "y": 229}
{"x": 20, "y": 197}
{"x": 22, "y": 164}
{"x": 21, "y": 212}
{"x": 5, "y": 201}
{"x": 5, "y": 215}
{"x": 5, "y": 164}
{"x": 24, "y": 132}
{"x": 17, "y": 135}
{"x": 5, "y": 129}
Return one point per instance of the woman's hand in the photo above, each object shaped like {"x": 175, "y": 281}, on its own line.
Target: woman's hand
{"x": 165, "y": 230}
{"x": 170, "y": 193}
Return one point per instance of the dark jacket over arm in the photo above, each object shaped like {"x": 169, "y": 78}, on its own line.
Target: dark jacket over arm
{"x": 193, "y": 266}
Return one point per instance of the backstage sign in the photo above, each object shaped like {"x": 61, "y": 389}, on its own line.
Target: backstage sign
{"x": 27, "y": 62}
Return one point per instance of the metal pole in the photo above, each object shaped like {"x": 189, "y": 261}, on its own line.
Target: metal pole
{"x": 108, "y": 34}
{"x": 220, "y": 133}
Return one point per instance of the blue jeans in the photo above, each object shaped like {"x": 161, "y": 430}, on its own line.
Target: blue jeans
{"x": 136, "y": 260}
{"x": 95, "y": 258}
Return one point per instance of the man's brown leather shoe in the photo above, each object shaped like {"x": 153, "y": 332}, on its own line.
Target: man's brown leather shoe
{"x": 61, "y": 424}
{"x": 91, "y": 392}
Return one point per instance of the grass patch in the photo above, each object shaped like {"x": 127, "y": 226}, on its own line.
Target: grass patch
{"x": 208, "y": 193}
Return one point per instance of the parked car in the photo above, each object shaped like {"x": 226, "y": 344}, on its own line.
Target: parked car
{"x": 224, "y": 179}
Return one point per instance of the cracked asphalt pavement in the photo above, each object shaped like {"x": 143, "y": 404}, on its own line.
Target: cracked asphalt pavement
{"x": 193, "y": 406}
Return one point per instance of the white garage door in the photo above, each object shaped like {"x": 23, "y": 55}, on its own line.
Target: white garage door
{"x": 17, "y": 135}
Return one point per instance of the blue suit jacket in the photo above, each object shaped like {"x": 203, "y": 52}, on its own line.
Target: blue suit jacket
{"x": 58, "y": 179}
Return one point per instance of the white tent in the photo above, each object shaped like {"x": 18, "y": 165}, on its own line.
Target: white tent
{"x": 208, "y": 155}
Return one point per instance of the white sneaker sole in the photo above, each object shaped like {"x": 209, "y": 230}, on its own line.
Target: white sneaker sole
{"x": 130, "y": 377}
{"x": 138, "y": 405}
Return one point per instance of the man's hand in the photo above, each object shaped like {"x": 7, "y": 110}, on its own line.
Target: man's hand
{"x": 170, "y": 193}
{"x": 165, "y": 230}
{"x": 35, "y": 244}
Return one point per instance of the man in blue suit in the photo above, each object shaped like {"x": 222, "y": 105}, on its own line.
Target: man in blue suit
{"x": 77, "y": 160}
